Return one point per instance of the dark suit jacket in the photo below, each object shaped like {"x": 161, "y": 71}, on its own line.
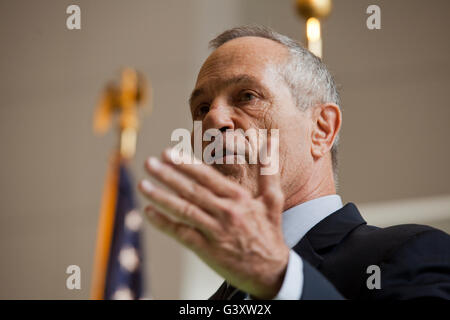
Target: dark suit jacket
{"x": 414, "y": 260}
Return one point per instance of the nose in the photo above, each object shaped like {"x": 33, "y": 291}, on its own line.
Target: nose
{"x": 218, "y": 117}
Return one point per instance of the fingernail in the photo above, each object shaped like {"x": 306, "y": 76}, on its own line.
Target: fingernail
{"x": 147, "y": 185}
{"x": 154, "y": 163}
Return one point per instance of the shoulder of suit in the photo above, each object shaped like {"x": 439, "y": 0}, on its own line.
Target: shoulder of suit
{"x": 392, "y": 248}
{"x": 400, "y": 234}
{"x": 372, "y": 245}
{"x": 417, "y": 241}
{"x": 366, "y": 245}
{"x": 390, "y": 239}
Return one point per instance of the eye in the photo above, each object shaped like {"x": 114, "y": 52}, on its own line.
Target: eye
{"x": 247, "y": 96}
{"x": 202, "y": 110}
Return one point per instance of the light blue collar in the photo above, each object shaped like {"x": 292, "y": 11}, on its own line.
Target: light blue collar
{"x": 298, "y": 220}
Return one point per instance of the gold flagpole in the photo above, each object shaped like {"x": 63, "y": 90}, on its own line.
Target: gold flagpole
{"x": 313, "y": 11}
{"x": 122, "y": 99}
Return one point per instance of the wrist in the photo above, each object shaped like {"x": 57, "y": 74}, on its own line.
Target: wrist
{"x": 274, "y": 280}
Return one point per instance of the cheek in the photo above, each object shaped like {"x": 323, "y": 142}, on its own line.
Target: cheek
{"x": 294, "y": 141}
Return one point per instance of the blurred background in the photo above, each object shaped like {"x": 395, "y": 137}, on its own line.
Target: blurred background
{"x": 394, "y": 152}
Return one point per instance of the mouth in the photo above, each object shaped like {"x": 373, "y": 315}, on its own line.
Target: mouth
{"x": 229, "y": 157}
{"x": 235, "y": 152}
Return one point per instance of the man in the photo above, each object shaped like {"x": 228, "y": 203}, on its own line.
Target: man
{"x": 287, "y": 235}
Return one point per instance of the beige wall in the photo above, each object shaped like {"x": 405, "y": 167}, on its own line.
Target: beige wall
{"x": 394, "y": 90}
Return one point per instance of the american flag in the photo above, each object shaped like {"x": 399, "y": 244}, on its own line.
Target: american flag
{"x": 120, "y": 276}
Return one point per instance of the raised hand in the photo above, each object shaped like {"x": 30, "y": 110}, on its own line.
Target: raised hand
{"x": 237, "y": 234}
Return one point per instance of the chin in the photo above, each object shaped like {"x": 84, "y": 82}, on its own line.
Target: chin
{"x": 240, "y": 173}
{"x": 234, "y": 171}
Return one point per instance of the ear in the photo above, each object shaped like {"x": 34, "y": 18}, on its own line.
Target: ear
{"x": 327, "y": 119}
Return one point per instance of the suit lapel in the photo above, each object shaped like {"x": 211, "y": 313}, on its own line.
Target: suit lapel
{"x": 334, "y": 228}
{"x": 228, "y": 292}
{"x": 328, "y": 233}
{"x": 305, "y": 250}
{"x": 220, "y": 293}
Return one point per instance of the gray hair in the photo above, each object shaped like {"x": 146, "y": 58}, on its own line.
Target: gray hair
{"x": 307, "y": 76}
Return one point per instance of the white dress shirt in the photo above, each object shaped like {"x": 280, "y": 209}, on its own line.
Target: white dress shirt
{"x": 296, "y": 222}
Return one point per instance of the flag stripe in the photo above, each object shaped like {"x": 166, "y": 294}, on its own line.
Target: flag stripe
{"x": 124, "y": 278}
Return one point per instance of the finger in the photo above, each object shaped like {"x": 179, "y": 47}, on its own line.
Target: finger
{"x": 206, "y": 175}
{"x": 185, "y": 234}
{"x": 269, "y": 184}
{"x": 179, "y": 208}
{"x": 185, "y": 187}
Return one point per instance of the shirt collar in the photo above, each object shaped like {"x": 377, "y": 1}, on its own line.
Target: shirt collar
{"x": 298, "y": 220}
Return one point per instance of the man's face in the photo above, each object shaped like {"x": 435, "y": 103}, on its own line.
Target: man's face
{"x": 240, "y": 87}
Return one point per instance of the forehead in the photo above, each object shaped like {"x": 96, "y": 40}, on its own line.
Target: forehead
{"x": 253, "y": 56}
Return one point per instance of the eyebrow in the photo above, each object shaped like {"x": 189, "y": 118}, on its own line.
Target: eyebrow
{"x": 225, "y": 83}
